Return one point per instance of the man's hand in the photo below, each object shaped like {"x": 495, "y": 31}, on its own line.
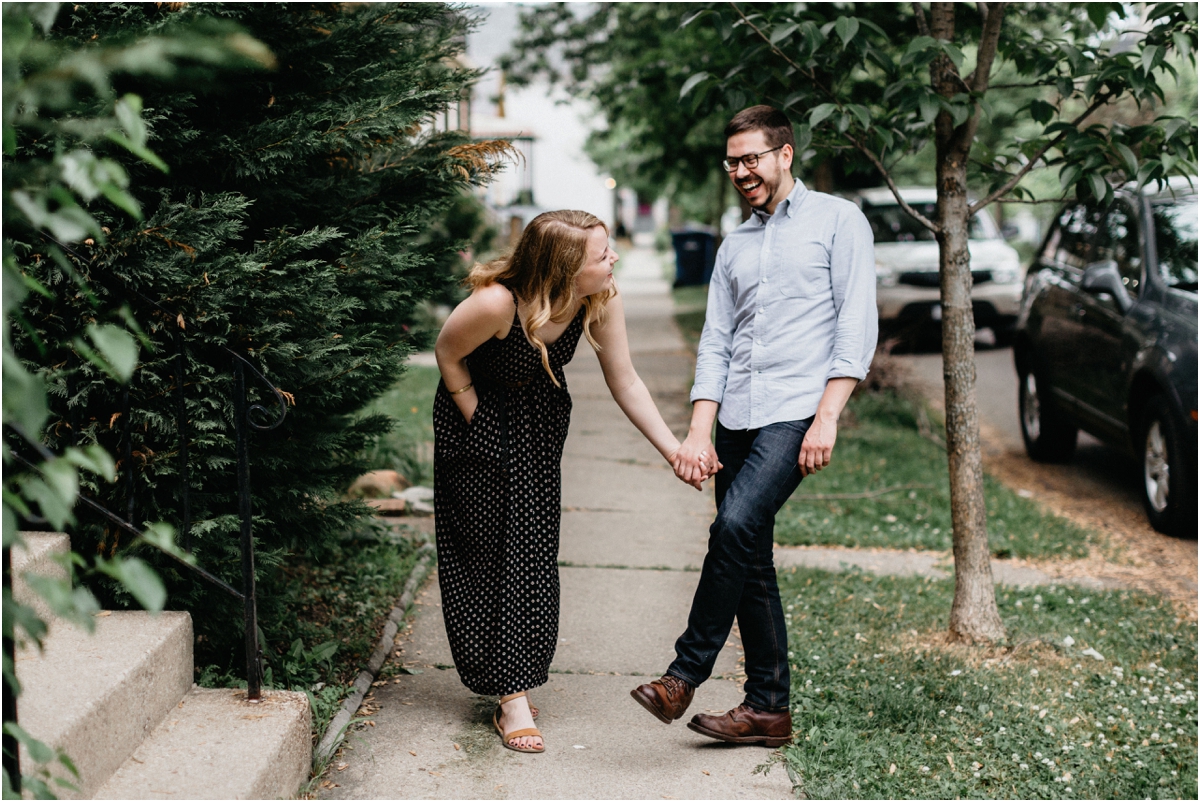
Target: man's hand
{"x": 817, "y": 448}
{"x": 695, "y": 461}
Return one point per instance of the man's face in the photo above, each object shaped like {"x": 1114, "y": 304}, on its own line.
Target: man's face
{"x": 760, "y": 185}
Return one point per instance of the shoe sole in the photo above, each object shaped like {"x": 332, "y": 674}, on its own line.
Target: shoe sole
{"x": 748, "y": 740}
{"x": 649, "y": 705}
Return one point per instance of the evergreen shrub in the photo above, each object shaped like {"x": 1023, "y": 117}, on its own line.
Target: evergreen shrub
{"x": 292, "y": 228}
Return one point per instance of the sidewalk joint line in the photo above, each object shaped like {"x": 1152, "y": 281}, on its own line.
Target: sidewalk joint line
{"x": 686, "y": 569}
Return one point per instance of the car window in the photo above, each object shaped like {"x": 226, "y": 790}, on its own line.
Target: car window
{"x": 1078, "y": 238}
{"x": 890, "y": 223}
{"x": 1120, "y": 243}
{"x": 1175, "y": 241}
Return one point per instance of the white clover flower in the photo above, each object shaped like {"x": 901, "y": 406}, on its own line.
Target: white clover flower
{"x": 941, "y": 713}
{"x": 958, "y": 708}
{"x": 1033, "y": 672}
{"x": 1015, "y": 757}
{"x": 924, "y": 769}
{"x": 1024, "y": 767}
{"x": 1037, "y": 755}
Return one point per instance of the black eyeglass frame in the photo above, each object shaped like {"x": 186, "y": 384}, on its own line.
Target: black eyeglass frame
{"x": 731, "y": 165}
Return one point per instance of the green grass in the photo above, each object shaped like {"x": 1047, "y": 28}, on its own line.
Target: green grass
{"x": 408, "y": 448}
{"x": 885, "y": 709}
{"x": 880, "y": 447}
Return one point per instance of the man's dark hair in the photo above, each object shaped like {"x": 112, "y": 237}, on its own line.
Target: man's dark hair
{"x": 774, "y": 124}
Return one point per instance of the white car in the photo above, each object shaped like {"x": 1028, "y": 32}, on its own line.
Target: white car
{"x": 906, "y": 264}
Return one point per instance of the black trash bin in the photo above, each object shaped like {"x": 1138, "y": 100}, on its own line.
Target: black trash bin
{"x": 695, "y": 254}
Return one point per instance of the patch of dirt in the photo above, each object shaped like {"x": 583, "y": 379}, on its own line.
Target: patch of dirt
{"x": 1013, "y": 655}
{"x": 1131, "y": 553}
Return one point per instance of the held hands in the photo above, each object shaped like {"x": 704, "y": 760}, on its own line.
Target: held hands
{"x": 695, "y": 461}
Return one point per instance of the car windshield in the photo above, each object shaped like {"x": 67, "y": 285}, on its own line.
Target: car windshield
{"x": 892, "y": 224}
{"x": 1175, "y": 241}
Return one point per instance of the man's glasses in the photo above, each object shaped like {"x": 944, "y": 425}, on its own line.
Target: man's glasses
{"x": 750, "y": 160}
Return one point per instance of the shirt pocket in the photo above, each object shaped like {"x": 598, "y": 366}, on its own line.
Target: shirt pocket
{"x": 803, "y": 272}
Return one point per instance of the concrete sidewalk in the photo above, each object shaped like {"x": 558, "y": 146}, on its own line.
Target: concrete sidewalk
{"x": 633, "y": 538}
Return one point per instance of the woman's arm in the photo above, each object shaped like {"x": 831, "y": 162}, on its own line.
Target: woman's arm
{"x": 486, "y": 313}
{"x": 627, "y": 387}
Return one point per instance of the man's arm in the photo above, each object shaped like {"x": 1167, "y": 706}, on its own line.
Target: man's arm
{"x": 712, "y": 371}
{"x": 852, "y": 273}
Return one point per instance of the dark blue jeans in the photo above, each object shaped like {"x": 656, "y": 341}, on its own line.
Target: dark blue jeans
{"x": 738, "y": 578}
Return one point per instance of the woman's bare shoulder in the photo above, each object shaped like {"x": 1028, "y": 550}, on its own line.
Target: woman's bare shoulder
{"x": 493, "y": 298}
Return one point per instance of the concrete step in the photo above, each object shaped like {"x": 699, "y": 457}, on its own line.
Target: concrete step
{"x": 216, "y": 745}
{"x": 97, "y": 696}
{"x": 38, "y": 557}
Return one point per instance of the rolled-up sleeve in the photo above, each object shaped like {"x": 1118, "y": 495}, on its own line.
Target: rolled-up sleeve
{"x": 716, "y": 341}
{"x": 852, "y": 272}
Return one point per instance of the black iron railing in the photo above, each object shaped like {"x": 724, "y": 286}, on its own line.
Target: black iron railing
{"x": 244, "y": 425}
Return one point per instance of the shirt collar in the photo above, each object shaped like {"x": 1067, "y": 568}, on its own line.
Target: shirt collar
{"x": 788, "y": 205}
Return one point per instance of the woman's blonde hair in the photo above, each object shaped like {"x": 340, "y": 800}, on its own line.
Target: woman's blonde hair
{"x": 541, "y": 271}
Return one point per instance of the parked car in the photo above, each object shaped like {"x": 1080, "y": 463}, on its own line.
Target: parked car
{"x": 1106, "y": 341}
{"x": 906, "y": 264}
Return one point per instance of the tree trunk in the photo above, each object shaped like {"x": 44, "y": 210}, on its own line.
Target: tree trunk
{"x": 973, "y": 615}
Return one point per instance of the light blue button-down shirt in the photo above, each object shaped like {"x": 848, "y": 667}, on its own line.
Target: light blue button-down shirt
{"x": 790, "y": 306}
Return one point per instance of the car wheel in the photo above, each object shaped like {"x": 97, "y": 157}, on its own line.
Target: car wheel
{"x": 1048, "y": 436}
{"x": 1168, "y": 489}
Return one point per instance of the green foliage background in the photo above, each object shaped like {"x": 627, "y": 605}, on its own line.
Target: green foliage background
{"x": 291, "y": 229}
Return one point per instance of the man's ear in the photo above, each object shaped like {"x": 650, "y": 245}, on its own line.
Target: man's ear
{"x": 787, "y": 153}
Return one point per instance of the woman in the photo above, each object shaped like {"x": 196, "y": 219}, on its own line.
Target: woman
{"x": 500, "y": 420}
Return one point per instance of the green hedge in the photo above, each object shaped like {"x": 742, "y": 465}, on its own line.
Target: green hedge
{"x": 293, "y": 227}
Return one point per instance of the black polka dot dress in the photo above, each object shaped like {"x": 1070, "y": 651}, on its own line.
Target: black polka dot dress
{"x": 498, "y": 488}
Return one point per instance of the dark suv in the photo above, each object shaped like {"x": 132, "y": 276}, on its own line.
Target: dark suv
{"x": 1106, "y": 342}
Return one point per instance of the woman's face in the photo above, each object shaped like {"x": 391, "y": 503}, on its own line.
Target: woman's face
{"x": 596, "y": 274}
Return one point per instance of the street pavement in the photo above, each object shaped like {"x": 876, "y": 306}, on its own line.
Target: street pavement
{"x": 633, "y": 539}
{"x": 1099, "y": 470}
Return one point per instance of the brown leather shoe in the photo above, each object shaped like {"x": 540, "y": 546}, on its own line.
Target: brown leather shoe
{"x": 745, "y": 725}
{"x": 667, "y": 698}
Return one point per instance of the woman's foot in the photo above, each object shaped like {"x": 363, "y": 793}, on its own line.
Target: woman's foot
{"x": 515, "y": 716}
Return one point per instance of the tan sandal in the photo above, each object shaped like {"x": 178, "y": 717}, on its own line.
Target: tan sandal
{"x": 505, "y": 737}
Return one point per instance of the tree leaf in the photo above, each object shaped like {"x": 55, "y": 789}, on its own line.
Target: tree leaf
{"x": 862, "y": 113}
{"x": 38, "y": 751}
{"x": 783, "y": 32}
{"x": 138, "y": 578}
{"x": 847, "y": 28}
{"x": 930, "y": 106}
{"x": 1148, "y": 55}
{"x": 1128, "y": 158}
{"x": 118, "y": 348}
{"x": 955, "y": 54}
{"x": 1041, "y": 111}
{"x": 1098, "y": 186}
{"x": 691, "y": 83}
{"x": 820, "y": 113}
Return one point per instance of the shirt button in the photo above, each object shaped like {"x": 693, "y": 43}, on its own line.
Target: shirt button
{"x": 761, "y": 310}
{"x": 759, "y": 342}
{"x": 765, "y": 280}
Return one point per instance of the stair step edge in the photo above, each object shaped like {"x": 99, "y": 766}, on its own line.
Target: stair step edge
{"x": 216, "y": 745}
{"x": 96, "y": 696}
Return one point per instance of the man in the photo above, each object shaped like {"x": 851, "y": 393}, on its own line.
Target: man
{"x": 790, "y": 330}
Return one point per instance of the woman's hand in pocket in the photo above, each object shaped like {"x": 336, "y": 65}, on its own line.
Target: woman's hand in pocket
{"x": 467, "y": 403}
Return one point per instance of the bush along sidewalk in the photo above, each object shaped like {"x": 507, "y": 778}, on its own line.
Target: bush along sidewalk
{"x": 1093, "y": 696}
{"x": 887, "y": 487}
{"x": 291, "y": 230}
